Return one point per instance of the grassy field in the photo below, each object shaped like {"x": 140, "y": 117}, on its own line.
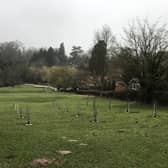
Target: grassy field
{"x": 118, "y": 140}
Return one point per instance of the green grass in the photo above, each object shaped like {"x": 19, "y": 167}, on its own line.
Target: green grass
{"x": 118, "y": 140}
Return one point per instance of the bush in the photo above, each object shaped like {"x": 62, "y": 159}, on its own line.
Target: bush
{"x": 59, "y": 76}
{"x": 121, "y": 95}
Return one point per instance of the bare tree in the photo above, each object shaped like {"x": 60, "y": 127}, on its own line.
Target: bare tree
{"x": 107, "y": 36}
{"x": 146, "y": 45}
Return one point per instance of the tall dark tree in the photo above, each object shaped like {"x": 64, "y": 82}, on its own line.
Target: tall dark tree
{"x": 98, "y": 60}
{"x": 12, "y": 63}
{"x": 61, "y": 54}
{"x": 76, "y": 54}
{"x": 39, "y": 58}
{"x": 107, "y": 36}
{"x": 50, "y": 57}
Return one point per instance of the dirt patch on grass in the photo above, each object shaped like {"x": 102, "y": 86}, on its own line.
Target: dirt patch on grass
{"x": 64, "y": 152}
{"x": 73, "y": 140}
{"x": 58, "y": 160}
{"x": 41, "y": 162}
{"x": 83, "y": 144}
{"x": 64, "y": 137}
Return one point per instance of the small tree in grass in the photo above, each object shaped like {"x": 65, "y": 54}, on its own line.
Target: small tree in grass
{"x": 87, "y": 100}
{"x": 94, "y": 110}
{"x": 155, "y": 111}
{"x": 28, "y": 119}
{"x": 16, "y": 108}
{"x": 128, "y": 104}
{"x": 128, "y": 107}
{"x": 21, "y": 112}
{"x": 110, "y": 104}
{"x": 77, "y": 110}
{"x": 98, "y": 61}
{"x": 66, "y": 109}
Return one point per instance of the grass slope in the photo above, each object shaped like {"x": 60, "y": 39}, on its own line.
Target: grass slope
{"x": 118, "y": 140}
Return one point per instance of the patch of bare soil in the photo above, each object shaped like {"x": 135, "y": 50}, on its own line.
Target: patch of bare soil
{"x": 64, "y": 137}
{"x": 73, "y": 140}
{"x": 41, "y": 162}
{"x": 64, "y": 152}
{"x": 58, "y": 160}
{"x": 83, "y": 144}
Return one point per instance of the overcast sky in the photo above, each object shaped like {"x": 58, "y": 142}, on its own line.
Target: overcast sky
{"x": 44, "y": 23}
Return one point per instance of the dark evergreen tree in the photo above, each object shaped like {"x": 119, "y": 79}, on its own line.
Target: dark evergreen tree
{"x": 61, "y": 54}
{"x": 50, "y": 57}
{"x": 76, "y": 54}
{"x": 39, "y": 58}
{"x": 12, "y": 63}
{"x": 98, "y": 60}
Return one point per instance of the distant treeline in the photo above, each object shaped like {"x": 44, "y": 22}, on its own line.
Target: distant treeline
{"x": 142, "y": 55}
{"x": 18, "y": 65}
